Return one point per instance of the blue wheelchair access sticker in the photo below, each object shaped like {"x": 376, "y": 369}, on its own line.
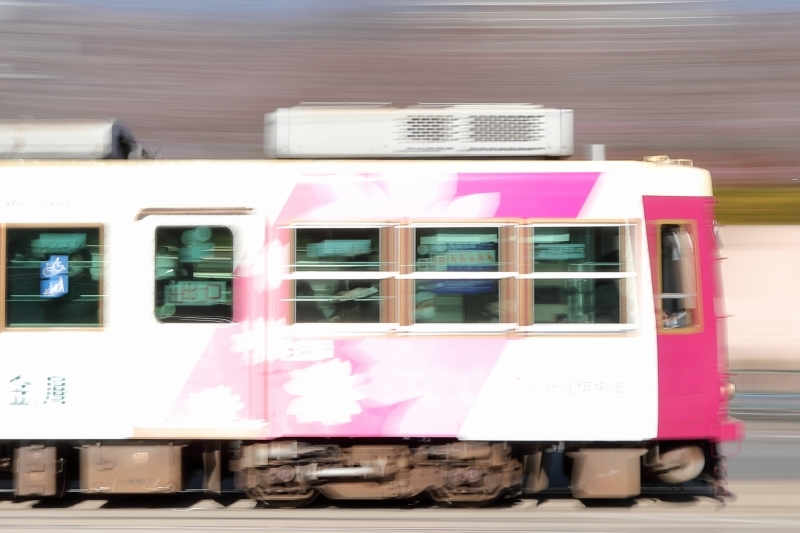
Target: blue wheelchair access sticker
{"x": 54, "y": 280}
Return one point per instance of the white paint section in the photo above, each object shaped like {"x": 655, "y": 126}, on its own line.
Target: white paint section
{"x": 110, "y": 378}
{"x": 669, "y": 180}
{"x": 129, "y": 374}
{"x": 560, "y": 388}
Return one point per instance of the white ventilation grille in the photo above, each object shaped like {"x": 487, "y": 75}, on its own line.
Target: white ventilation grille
{"x": 430, "y": 129}
{"x": 341, "y": 131}
{"x": 505, "y": 128}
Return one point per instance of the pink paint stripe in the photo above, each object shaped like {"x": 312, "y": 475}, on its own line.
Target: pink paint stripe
{"x": 540, "y": 195}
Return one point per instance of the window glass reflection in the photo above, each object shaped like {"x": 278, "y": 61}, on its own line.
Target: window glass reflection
{"x": 194, "y": 274}
{"x": 587, "y": 301}
{"x": 678, "y": 289}
{"x": 457, "y": 301}
{"x": 337, "y": 301}
{"x": 457, "y": 250}
{"x": 577, "y": 249}
{"x": 52, "y": 277}
{"x": 330, "y": 249}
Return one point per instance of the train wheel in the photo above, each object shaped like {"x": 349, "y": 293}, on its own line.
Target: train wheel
{"x": 477, "y": 484}
{"x": 289, "y": 502}
{"x": 445, "y": 498}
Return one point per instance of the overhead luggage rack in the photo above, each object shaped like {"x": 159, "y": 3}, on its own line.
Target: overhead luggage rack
{"x": 422, "y": 131}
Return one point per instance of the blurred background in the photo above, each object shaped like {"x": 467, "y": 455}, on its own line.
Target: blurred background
{"x": 715, "y": 81}
{"x": 711, "y": 80}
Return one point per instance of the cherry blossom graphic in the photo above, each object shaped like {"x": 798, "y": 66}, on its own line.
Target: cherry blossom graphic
{"x": 327, "y": 392}
{"x": 249, "y": 342}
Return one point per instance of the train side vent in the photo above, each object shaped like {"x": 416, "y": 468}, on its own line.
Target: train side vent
{"x": 431, "y": 130}
{"x": 506, "y": 128}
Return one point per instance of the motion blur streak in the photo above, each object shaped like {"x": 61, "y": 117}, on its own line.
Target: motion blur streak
{"x": 708, "y": 80}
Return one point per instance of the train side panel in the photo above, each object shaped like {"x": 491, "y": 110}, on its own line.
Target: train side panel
{"x": 262, "y": 377}
{"x": 557, "y": 386}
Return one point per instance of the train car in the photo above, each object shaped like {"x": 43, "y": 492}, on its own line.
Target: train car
{"x": 361, "y": 329}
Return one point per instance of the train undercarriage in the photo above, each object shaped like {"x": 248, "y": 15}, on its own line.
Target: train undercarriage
{"x": 294, "y": 473}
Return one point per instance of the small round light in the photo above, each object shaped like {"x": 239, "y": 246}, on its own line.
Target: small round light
{"x": 728, "y": 391}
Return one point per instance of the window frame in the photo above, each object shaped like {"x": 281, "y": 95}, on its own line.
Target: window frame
{"x": 187, "y": 226}
{"x": 4, "y": 274}
{"x": 697, "y": 324}
{"x": 385, "y": 275}
{"x": 628, "y": 243}
{"x": 506, "y": 276}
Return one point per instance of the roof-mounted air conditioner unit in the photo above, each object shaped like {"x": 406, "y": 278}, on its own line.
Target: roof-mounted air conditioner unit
{"x": 65, "y": 139}
{"x": 424, "y": 131}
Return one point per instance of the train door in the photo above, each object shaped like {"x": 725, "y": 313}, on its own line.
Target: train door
{"x": 208, "y": 311}
{"x": 680, "y": 239}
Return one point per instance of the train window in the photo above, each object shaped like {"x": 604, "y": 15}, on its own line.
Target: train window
{"x": 677, "y": 302}
{"x": 461, "y": 275}
{"x": 579, "y": 275}
{"x": 457, "y": 249}
{"x": 456, "y": 301}
{"x": 194, "y": 274}
{"x": 341, "y": 275}
{"x": 53, "y": 276}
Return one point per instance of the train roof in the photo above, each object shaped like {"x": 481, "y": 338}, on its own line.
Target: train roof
{"x": 651, "y": 178}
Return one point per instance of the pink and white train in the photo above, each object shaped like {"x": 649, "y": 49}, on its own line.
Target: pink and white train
{"x": 466, "y": 328}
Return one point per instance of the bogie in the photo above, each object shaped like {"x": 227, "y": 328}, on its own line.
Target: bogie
{"x": 451, "y": 473}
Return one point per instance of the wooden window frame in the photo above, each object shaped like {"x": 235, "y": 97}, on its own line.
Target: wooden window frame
{"x": 191, "y": 226}
{"x": 506, "y": 277}
{"x": 527, "y": 277}
{"x": 387, "y": 252}
{"x": 697, "y": 324}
